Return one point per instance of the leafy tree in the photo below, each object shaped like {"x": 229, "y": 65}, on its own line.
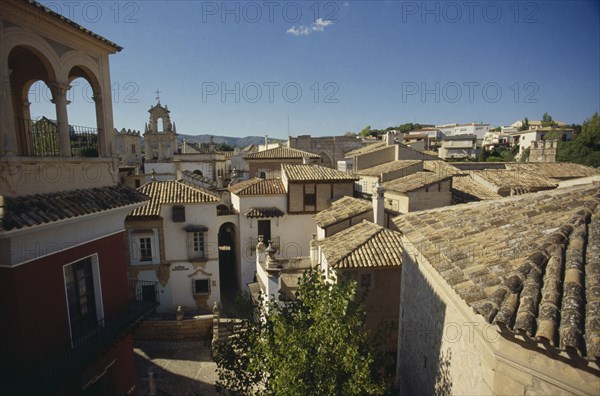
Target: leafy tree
{"x": 525, "y": 155}
{"x": 585, "y": 148}
{"x": 547, "y": 120}
{"x": 315, "y": 344}
{"x": 525, "y": 125}
{"x": 366, "y": 131}
{"x": 350, "y": 134}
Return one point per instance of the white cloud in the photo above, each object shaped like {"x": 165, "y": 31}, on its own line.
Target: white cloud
{"x": 317, "y": 26}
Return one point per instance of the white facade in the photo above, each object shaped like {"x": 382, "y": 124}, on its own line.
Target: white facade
{"x": 293, "y": 232}
{"x": 465, "y": 129}
{"x": 190, "y": 252}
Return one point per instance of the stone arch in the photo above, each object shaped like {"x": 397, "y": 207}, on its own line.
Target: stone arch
{"x": 28, "y": 65}
{"x": 158, "y": 112}
{"x": 326, "y": 159}
{"x": 79, "y": 71}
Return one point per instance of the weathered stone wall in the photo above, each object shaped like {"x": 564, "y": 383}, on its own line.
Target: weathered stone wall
{"x": 374, "y": 158}
{"x": 446, "y": 348}
{"x": 197, "y": 328}
{"x": 434, "y": 196}
{"x": 331, "y": 148}
{"x": 543, "y": 151}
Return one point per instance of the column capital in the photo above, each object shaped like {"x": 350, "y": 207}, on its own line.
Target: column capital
{"x": 59, "y": 90}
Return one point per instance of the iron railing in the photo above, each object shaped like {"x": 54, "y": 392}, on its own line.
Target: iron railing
{"x": 84, "y": 349}
{"x": 43, "y": 138}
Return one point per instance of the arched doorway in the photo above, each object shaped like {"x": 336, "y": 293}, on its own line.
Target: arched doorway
{"x": 228, "y": 266}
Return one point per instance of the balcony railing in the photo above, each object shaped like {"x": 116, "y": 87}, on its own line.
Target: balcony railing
{"x": 84, "y": 349}
{"x": 226, "y": 212}
{"x": 44, "y": 138}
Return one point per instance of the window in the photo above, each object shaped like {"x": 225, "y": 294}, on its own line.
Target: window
{"x": 145, "y": 248}
{"x": 201, "y": 286}
{"x": 310, "y": 199}
{"x": 263, "y": 175}
{"x": 196, "y": 235}
{"x": 137, "y": 183}
{"x": 133, "y": 149}
{"x": 196, "y": 245}
{"x": 178, "y": 214}
{"x": 264, "y": 229}
{"x": 84, "y": 310}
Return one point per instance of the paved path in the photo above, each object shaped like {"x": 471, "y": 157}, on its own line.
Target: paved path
{"x": 180, "y": 368}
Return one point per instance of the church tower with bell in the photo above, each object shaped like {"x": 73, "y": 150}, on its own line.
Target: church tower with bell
{"x": 160, "y": 134}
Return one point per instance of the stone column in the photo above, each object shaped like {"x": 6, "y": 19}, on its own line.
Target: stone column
{"x": 59, "y": 98}
{"x": 8, "y": 142}
{"x": 104, "y": 148}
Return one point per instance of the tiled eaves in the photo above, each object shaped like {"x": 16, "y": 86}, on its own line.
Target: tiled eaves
{"x": 317, "y": 173}
{"x": 258, "y": 186}
{"x": 71, "y": 23}
{"x": 342, "y": 209}
{"x": 31, "y": 210}
{"x": 364, "y": 245}
{"x": 170, "y": 192}
{"x": 281, "y": 153}
{"x": 488, "y": 251}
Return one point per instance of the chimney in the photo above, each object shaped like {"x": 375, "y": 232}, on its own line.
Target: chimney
{"x": 266, "y": 142}
{"x": 314, "y": 251}
{"x": 305, "y": 160}
{"x": 378, "y": 204}
{"x": 389, "y": 138}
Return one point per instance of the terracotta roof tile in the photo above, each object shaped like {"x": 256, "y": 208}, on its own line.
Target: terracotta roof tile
{"x": 532, "y": 262}
{"x": 281, "y": 153}
{"x": 260, "y": 213}
{"x": 365, "y": 149}
{"x": 363, "y": 245}
{"x": 465, "y": 189}
{"x": 414, "y": 181}
{"x": 555, "y": 170}
{"x": 342, "y": 209}
{"x": 31, "y": 210}
{"x": 314, "y": 173}
{"x": 503, "y": 181}
{"x": 171, "y": 192}
{"x": 258, "y": 186}
{"x": 387, "y": 167}
{"x": 77, "y": 26}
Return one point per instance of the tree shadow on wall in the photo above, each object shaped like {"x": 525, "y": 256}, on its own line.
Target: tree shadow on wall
{"x": 443, "y": 380}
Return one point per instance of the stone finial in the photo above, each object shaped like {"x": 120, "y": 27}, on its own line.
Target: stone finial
{"x": 179, "y": 313}
{"x": 270, "y": 252}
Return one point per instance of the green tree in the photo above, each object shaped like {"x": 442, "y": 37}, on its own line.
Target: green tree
{"x": 315, "y": 344}
{"x": 350, "y": 134}
{"x": 547, "y": 120}
{"x": 525, "y": 125}
{"x": 366, "y": 131}
{"x": 585, "y": 148}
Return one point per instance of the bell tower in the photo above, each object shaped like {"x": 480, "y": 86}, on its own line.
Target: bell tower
{"x": 160, "y": 141}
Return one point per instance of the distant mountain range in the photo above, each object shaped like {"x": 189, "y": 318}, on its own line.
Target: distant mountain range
{"x": 232, "y": 141}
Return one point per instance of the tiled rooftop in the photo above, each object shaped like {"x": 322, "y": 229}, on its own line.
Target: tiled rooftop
{"x": 554, "y": 170}
{"x": 501, "y": 179}
{"x": 342, "y": 209}
{"x": 31, "y": 210}
{"x": 314, "y": 173}
{"x": 414, "y": 181}
{"x": 281, "y": 153}
{"x": 441, "y": 167}
{"x": 260, "y": 213}
{"x": 364, "y": 245}
{"x": 258, "y": 186}
{"x": 387, "y": 167}
{"x": 530, "y": 263}
{"x": 77, "y": 26}
{"x": 465, "y": 189}
{"x": 365, "y": 149}
{"x": 171, "y": 192}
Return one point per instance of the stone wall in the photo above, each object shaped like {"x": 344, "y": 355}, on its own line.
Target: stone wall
{"x": 543, "y": 151}
{"x": 197, "y": 328}
{"x": 331, "y": 148}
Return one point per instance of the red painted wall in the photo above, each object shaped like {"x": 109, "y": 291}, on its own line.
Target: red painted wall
{"x": 33, "y": 301}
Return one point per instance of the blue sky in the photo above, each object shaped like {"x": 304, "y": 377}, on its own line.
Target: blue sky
{"x": 239, "y": 68}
